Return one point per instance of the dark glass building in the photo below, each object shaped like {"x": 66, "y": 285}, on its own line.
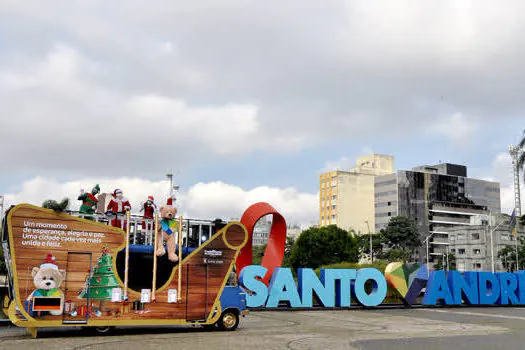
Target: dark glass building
{"x": 436, "y": 197}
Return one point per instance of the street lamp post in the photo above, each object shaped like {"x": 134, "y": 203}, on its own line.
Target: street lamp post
{"x": 428, "y": 259}
{"x": 371, "y": 249}
{"x": 1, "y": 212}
{"x": 1, "y": 206}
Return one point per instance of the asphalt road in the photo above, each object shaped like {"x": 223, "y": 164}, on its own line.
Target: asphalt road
{"x": 460, "y": 328}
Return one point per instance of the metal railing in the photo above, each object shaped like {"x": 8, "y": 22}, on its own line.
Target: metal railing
{"x": 142, "y": 230}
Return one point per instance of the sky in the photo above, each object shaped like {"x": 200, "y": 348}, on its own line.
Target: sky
{"x": 250, "y": 101}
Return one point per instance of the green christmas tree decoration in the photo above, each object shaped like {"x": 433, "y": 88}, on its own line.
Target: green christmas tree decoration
{"x": 101, "y": 280}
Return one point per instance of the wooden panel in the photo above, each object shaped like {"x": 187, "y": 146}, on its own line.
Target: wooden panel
{"x": 196, "y": 292}
{"x": 73, "y": 284}
{"x": 213, "y": 259}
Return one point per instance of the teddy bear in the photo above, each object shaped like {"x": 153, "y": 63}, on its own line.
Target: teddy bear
{"x": 47, "y": 279}
{"x": 167, "y": 231}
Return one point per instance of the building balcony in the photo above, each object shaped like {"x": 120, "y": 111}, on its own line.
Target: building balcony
{"x": 457, "y": 208}
{"x": 449, "y": 220}
{"x": 458, "y": 211}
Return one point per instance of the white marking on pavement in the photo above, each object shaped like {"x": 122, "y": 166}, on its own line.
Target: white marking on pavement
{"x": 474, "y": 314}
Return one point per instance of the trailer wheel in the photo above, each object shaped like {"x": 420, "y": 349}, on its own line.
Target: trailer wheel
{"x": 229, "y": 320}
{"x": 105, "y": 329}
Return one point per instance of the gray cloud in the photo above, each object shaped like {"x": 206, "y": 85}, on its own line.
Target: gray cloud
{"x": 279, "y": 76}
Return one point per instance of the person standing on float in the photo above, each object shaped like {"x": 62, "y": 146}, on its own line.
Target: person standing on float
{"x": 89, "y": 202}
{"x": 149, "y": 208}
{"x": 118, "y": 206}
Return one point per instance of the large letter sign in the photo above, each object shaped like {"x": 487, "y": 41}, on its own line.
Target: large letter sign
{"x": 333, "y": 289}
{"x": 259, "y": 292}
{"x": 282, "y": 288}
{"x": 379, "y": 288}
{"x": 368, "y": 286}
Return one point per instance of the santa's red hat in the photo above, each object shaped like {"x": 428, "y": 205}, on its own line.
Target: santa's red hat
{"x": 150, "y": 198}
{"x": 49, "y": 263}
{"x": 169, "y": 201}
{"x": 117, "y": 192}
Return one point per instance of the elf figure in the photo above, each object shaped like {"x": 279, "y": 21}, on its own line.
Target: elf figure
{"x": 89, "y": 202}
{"x": 118, "y": 206}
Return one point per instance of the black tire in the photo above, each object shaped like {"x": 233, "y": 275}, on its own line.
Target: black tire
{"x": 209, "y": 326}
{"x": 229, "y": 320}
{"x": 104, "y": 330}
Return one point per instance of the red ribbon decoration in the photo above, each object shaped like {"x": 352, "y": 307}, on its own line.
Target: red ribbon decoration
{"x": 274, "y": 253}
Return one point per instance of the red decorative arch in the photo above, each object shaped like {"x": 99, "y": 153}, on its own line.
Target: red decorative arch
{"x": 274, "y": 253}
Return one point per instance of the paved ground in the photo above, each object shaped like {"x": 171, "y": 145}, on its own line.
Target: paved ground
{"x": 462, "y": 328}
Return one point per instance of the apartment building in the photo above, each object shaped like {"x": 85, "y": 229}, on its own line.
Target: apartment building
{"x": 474, "y": 245}
{"x": 437, "y": 198}
{"x": 347, "y": 197}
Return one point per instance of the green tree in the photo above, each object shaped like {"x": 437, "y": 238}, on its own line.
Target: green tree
{"x": 363, "y": 242}
{"x": 257, "y": 254}
{"x": 451, "y": 261}
{"x": 101, "y": 282}
{"x": 288, "y": 251}
{"x": 393, "y": 255}
{"x": 507, "y": 256}
{"x": 325, "y": 245}
{"x": 401, "y": 234}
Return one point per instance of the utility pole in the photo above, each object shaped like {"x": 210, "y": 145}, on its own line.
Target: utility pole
{"x": 173, "y": 187}
{"x": 169, "y": 175}
{"x": 516, "y": 153}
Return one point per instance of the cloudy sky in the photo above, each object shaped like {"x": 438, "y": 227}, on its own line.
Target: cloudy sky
{"x": 251, "y": 100}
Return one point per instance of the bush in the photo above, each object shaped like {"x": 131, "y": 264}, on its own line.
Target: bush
{"x": 325, "y": 245}
{"x": 392, "y": 296}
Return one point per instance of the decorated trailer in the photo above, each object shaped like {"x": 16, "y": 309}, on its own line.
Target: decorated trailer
{"x": 64, "y": 270}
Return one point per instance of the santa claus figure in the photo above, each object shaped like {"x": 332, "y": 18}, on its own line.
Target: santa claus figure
{"x": 149, "y": 208}
{"x": 118, "y": 206}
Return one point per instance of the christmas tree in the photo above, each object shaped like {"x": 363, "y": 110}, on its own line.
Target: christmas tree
{"x": 101, "y": 280}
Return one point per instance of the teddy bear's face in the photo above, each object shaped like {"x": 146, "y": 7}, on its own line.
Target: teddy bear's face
{"x": 168, "y": 212}
{"x": 47, "y": 278}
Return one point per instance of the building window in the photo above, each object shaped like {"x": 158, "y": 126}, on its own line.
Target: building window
{"x": 461, "y": 251}
{"x": 477, "y": 266}
{"x": 389, "y": 203}
{"x": 461, "y": 236}
{"x": 452, "y": 250}
{"x": 476, "y": 251}
{"x": 475, "y": 236}
{"x": 333, "y": 208}
{"x": 389, "y": 214}
{"x": 334, "y": 197}
{"x": 333, "y": 217}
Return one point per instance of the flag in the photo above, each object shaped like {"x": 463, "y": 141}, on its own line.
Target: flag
{"x": 513, "y": 223}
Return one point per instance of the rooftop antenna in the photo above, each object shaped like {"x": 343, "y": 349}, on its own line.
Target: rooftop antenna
{"x": 516, "y": 152}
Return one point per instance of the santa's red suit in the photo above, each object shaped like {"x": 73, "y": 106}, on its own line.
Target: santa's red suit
{"x": 149, "y": 209}
{"x": 118, "y": 206}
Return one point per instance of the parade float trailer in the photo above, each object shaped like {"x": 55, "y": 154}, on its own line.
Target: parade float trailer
{"x": 64, "y": 270}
